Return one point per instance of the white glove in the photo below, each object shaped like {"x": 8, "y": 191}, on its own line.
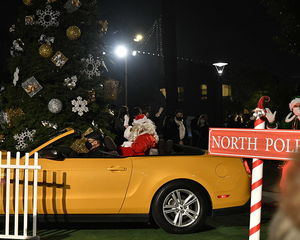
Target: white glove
{"x": 126, "y": 144}
{"x": 270, "y": 116}
{"x": 126, "y": 121}
{"x": 160, "y": 110}
{"x": 127, "y": 132}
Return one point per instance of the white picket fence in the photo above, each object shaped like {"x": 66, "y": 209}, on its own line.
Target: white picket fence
{"x": 15, "y": 168}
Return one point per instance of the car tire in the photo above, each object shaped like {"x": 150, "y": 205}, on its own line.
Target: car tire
{"x": 180, "y": 207}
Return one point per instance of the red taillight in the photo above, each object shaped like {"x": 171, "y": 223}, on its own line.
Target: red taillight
{"x": 224, "y": 196}
{"x": 247, "y": 168}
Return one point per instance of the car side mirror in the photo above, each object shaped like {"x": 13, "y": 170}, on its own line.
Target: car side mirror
{"x": 52, "y": 154}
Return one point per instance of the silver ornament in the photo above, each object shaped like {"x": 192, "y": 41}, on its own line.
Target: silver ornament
{"x": 55, "y": 105}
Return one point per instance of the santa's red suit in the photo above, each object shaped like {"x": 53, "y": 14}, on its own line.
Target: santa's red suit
{"x": 140, "y": 146}
{"x": 141, "y": 137}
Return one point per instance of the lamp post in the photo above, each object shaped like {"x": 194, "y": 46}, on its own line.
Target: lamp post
{"x": 219, "y": 114}
{"x": 121, "y": 51}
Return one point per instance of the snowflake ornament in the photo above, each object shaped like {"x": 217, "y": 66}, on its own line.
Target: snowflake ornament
{"x": 79, "y": 106}
{"x": 48, "y": 17}
{"x": 91, "y": 66}
{"x": 21, "y": 138}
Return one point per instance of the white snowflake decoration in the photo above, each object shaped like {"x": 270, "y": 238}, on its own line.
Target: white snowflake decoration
{"x": 21, "y": 138}
{"x": 91, "y": 66}
{"x": 48, "y": 17}
{"x": 79, "y": 106}
{"x": 12, "y": 28}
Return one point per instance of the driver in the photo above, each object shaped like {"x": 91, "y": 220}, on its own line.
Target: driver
{"x": 95, "y": 145}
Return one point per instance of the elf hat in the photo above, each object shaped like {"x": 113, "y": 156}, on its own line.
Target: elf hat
{"x": 139, "y": 119}
{"x": 295, "y": 100}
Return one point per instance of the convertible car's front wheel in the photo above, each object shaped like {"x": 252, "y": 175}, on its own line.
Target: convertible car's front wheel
{"x": 180, "y": 207}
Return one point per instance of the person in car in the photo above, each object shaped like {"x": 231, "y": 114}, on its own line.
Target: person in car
{"x": 141, "y": 137}
{"x": 100, "y": 146}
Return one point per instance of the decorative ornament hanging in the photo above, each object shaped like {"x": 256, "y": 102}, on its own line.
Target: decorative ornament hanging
{"x": 23, "y": 138}
{"x": 72, "y": 5}
{"x": 48, "y": 17}
{"x": 111, "y": 87}
{"x": 31, "y": 86}
{"x": 12, "y": 28}
{"x": 48, "y": 124}
{"x": 2, "y": 139}
{"x": 91, "y": 95}
{"x": 70, "y": 82}
{"x": 29, "y": 20}
{"x": 103, "y": 25}
{"x": 79, "y": 144}
{"x": 12, "y": 114}
{"x": 55, "y": 105}
{"x": 80, "y": 106}
{"x": 16, "y": 76}
{"x": 2, "y": 88}
{"x": 59, "y": 59}
{"x": 45, "y": 50}
{"x": 17, "y": 48}
{"x": 27, "y": 2}
{"x": 3, "y": 118}
{"x": 73, "y": 32}
{"x": 44, "y": 39}
{"x": 91, "y": 66}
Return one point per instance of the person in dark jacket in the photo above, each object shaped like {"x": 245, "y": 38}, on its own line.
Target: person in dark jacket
{"x": 120, "y": 124}
{"x": 96, "y": 147}
{"x": 174, "y": 128}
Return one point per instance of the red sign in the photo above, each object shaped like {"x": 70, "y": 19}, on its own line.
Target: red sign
{"x": 254, "y": 143}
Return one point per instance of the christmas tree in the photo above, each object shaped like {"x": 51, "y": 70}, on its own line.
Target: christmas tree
{"x": 57, "y": 72}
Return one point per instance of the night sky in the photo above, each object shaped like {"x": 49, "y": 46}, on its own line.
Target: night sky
{"x": 237, "y": 32}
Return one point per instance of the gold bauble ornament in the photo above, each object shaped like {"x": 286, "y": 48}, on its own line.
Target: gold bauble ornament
{"x": 45, "y": 50}
{"x": 73, "y": 32}
{"x": 27, "y": 2}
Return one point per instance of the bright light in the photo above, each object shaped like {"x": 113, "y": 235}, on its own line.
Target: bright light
{"x": 220, "y": 67}
{"x": 121, "y": 51}
{"x": 138, "y": 38}
{"x": 104, "y": 53}
{"x": 134, "y": 53}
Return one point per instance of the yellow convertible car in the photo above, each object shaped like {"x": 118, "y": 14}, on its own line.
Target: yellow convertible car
{"x": 178, "y": 191}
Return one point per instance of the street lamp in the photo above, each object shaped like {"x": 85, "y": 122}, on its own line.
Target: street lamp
{"x": 138, "y": 38}
{"x": 121, "y": 51}
{"x": 220, "y": 67}
{"x": 219, "y": 114}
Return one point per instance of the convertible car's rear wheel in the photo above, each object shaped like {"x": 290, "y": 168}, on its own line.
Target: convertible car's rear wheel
{"x": 180, "y": 207}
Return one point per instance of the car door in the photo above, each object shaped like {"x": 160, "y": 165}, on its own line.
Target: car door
{"x": 84, "y": 185}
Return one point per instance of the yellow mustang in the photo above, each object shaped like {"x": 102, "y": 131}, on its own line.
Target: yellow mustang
{"x": 178, "y": 191}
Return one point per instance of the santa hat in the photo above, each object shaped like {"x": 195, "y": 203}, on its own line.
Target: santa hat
{"x": 139, "y": 119}
{"x": 295, "y": 100}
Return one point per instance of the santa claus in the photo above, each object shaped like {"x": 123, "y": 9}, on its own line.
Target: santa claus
{"x": 141, "y": 137}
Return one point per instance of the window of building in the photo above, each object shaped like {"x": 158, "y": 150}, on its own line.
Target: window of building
{"x": 203, "y": 91}
{"x": 180, "y": 91}
{"x": 226, "y": 90}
